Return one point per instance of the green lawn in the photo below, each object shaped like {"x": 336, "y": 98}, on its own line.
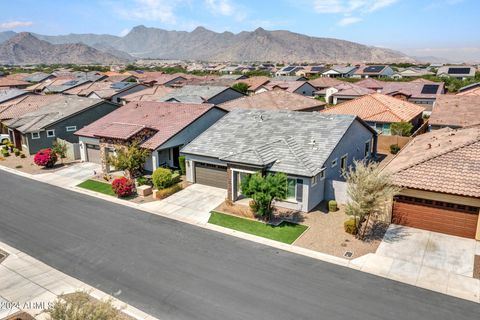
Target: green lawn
{"x": 286, "y": 232}
{"x": 97, "y": 186}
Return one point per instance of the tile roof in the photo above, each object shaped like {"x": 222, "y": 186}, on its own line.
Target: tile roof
{"x": 351, "y": 90}
{"x": 446, "y": 161}
{"x": 296, "y": 143}
{"x": 51, "y": 113}
{"x": 378, "y": 107}
{"x": 411, "y": 88}
{"x": 255, "y": 82}
{"x": 9, "y": 82}
{"x": 456, "y": 111}
{"x": 289, "y": 86}
{"x": 325, "y": 82}
{"x": 166, "y": 118}
{"x": 194, "y": 94}
{"x": 273, "y": 100}
{"x": 470, "y": 92}
{"x": 9, "y": 94}
{"x": 25, "y": 104}
{"x": 155, "y": 93}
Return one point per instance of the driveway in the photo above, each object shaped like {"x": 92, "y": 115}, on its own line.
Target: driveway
{"x": 428, "y": 259}
{"x": 193, "y": 203}
{"x": 70, "y": 176}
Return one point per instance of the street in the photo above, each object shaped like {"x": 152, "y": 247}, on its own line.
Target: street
{"x": 174, "y": 270}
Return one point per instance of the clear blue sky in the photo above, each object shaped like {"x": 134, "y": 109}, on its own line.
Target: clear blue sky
{"x": 448, "y": 28}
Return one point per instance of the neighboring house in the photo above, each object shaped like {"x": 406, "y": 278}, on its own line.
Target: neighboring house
{"x": 167, "y": 80}
{"x": 311, "y": 148}
{"x": 233, "y": 77}
{"x": 7, "y": 82}
{"x": 380, "y": 111}
{"x": 289, "y": 78}
{"x": 311, "y": 71}
{"x": 37, "y": 130}
{"x": 56, "y": 87}
{"x": 470, "y": 92}
{"x": 202, "y": 94}
{"x": 439, "y": 174}
{"x": 467, "y": 90}
{"x": 300, "y": 87}
{"x": 422, "y": 92}
{"x": 373, "y": 71}
{"x": 38, "y": 77}
{"x": 254, "y": 83}
{"x": 275, "y": 100}
{"x": 340, "y": 72}
{"x": 155, "y": 93}
{"x": 412, "y": 72}
{"x": 324, "y": 83}
{"x": 106, "y": 90}
{"x": 161, "y": 127}
{"x": 455, "y": 111}
{"x": 121, "y": 78}
{"x": 288, "y": 71}
{"x": 458, "y": 72}
{"x": 11, "y": 94}
{"x": 343, "y": 92}
{"x": 231, "y": 69}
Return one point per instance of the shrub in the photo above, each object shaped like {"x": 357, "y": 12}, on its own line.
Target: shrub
{"x": 122, "y": 187}
{"x": 350, "y": 226}
{"x": 5, "y": 153}
{"x": 60, "y": 149}
{"x": 144, "y": 181}
{"x": 16, "y": 152}
{"x": 45, "y": 158}
{"x": 332, "y": 206}
{"x": 164, "y": 193}
{"x": 80, "y": 306}
{"x": 394, "y": 148}
{"x": 181, "y": 161}
{"x": 163, "y": 178}
{"x": 4, "y": 141}
{"x": 22, "y": 155}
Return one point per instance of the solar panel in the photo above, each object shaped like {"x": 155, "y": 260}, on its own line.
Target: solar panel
{"x": 120, "y": 85}
{"x": 430, "y": 89}
{"x": 317, "y": 68}
{"x": 458, "y": 70}
{"x": 373, "y": 69}
{"x": 288, "y": 69}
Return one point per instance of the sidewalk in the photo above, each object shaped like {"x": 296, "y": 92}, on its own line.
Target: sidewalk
{"x": 456, "y": 285}
{"x": 30, "y": 285}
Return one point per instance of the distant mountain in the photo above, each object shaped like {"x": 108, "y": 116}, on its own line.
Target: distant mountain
{"x": 5, "y": 35}
{"x": 24, "y": 48}
{"x": 203, "y": 44}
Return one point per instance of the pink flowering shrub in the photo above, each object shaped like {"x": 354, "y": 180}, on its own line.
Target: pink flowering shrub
{"x": 45, "y": 158}
{"x": 122, "y": 187}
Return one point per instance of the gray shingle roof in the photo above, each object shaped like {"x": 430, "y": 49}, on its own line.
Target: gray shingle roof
{"x": 37, "y": 77}
{"x": 194, "y": 94}
{"x": 296, "y": 143}
{"x": 51, "y": 113}
{"x": 10, "y": 94}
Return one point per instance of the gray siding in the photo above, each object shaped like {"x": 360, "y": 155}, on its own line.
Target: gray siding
{"x": 116, "y": 98}
{"x": 306, "y": 90}
{"x": 225, "y": 96}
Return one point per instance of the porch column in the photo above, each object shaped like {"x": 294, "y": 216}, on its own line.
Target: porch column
{"x": 154, "y": 160}
{"x": 104, "y": 157}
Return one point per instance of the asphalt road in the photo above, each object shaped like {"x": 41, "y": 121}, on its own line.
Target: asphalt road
{"x": 178, "y": 271}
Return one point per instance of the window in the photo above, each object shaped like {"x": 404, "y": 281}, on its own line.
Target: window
{"x": 367, "y": 149}
{"x": 386, "y": 129}
{"x": 334, "y": 162}
{"x": 71, "y": 128}
{"x": 343, "y": 162}
{"x": 322, "y": 174}
{"x": 35, "y": 135}
{"x": 291, "y": 189}
{"x": 50, "y": 133}
{"x": 314, "y": 180}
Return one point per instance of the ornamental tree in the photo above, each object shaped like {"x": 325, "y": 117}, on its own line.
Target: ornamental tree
{"x": 130, "y": 159}
{"x": 45, "y": 158}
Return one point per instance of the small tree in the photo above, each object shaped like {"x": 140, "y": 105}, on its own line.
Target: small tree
{"x": 181, "y": 163}
{"x": 263, "y": 190}
{"x": 130, "y": 159}
{"x": 241, "y": 87}
{"x": 60, "y": 149}
{"x": 402, "y": 128}
{"x": 369, "y": 190}
{"x": 79, "y": 306}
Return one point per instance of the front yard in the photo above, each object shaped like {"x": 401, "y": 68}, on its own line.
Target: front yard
{"x": 285, "y": 232}
{"x": 28, "y": 166}
{"x": 97, "y": 186}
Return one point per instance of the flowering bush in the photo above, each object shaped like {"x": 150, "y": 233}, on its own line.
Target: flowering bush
{"x": 45, "y": 158}
{"x": 122, "y": 187}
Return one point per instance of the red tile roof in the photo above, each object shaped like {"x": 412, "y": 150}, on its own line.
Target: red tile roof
{"x": 456, "y": 111}
{"x": 154, "y": 93}
{"x": 325, "y": 82}
{"x": 26, "y": 104}
{"x": 254, "y": 82}
{"x": 166, "y": 118}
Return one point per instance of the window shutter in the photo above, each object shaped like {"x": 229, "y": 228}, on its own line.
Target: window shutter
{"x": 299, "y": 190}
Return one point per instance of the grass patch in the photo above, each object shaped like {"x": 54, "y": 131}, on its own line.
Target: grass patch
{"x": 286, "y": 232}
{"x": 97, "y": 186}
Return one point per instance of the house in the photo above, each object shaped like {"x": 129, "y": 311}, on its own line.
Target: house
{"x": 380, "y": 111}
{"x": 458, "y": 72}
{"x": 439, "y": 173}
{"x": 161, "y": 127}
{"x": 38, "y": 129}
{"x": 106, "y": 90}
{"x": 300, "y": 87}
{"x": 373, "y": 71}
{"x": 155, "y": 93}
{"x": 343, "y": 92}
{"x": 422, "y": 92}
{"x": 7, "y": 82}
{"x": 324, "y": 83}
{"x": 254, "y": 83}
{"x": 202, "y": 94}
{"x": 231, "y": 69}
{"x": 311, "y": 148}
{"x": 411, "y": 72}
{"x": 167, "y": 80}
{"x": 288, "y": 71}
{"x": 471, "y": 89}
{"x": 37, "y": 77}
{"x": 11, "y": 94}
{"x": 340, "y": 72}
{"x": 59, "y": 87}
{"x": 275, "y": 100}
{"x": 289, "y": 78}
{"x": 311, "y": 71}
{"x": 455, "y": 111}
{"x": 121, "y": 78}
{"x": 233, "y": 77}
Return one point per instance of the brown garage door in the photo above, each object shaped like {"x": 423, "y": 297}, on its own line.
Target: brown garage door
{"x": 93, "y": 153}
{"x": 211, "y": 175}
{"x": 449, "y": 218}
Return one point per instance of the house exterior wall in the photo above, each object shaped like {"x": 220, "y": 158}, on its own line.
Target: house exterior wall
{"x": 306, "y": 90}
{"x": 227, "y": 95}
{"x": 83, "y": 149}
{"x": 117, "y": 97}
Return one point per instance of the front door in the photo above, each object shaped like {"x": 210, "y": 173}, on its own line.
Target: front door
{"x": 176, "y": 154}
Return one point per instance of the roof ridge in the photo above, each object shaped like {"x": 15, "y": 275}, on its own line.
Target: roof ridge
{"x": 296, "y": 150}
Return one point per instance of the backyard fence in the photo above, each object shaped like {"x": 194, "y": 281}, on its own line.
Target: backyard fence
{"x": 73, "y": 149}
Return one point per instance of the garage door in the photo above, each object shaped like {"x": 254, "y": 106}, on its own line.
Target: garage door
{"x": 444, "y": 217}
{"x": 93, "y": 153}
{"x": 211, "y": 175}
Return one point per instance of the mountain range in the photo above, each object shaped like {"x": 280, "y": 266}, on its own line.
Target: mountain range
{"x": 199, "y": 44}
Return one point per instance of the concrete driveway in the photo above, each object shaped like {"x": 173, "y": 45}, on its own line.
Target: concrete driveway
{"x": 70, "y": 176}
{"x": 427, "y": 259}
{"x": 193, "y": 203}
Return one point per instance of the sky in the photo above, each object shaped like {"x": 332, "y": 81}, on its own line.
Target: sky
{"x": 442, "y": 28}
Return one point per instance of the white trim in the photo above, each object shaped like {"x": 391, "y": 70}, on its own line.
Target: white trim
{"x": 314, "y": 180}
{"x": 51, "y": 135}
{"x": 369, "y": 148}
{"x": 294, "y": 199}
{"x": 36, "y": 133}
{"x": 346, "y": 162}
{"x": 69, "y": 128}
